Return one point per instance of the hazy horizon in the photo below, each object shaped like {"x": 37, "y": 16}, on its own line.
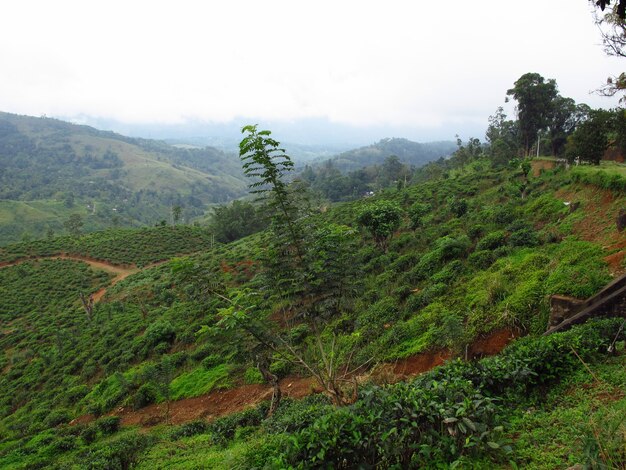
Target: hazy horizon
{"x": 346, "y": 73}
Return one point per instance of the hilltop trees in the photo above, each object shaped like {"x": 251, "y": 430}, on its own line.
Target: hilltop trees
{"x": 592, "y": 136}
{"x": 534, "y": 96}
{"x": 545, "y": 118}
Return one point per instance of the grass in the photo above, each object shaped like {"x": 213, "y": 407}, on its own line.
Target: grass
{"x": 200, "y": 381}
{"x": 197, "y": 452}
{"x": 590, "y": 417}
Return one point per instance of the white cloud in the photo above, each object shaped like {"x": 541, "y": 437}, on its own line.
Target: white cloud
{"x": 401, "y": 63}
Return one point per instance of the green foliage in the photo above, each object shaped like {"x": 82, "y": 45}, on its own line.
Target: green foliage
{"x": 534, "y": 96}
{"x": 590, "y": 139}
{"x": 417, "y": 211}
{"x": 46, "y": 284}
{"x": 492, "y": 240}
{"x": 237, "y": 220}
{"x": 120, "y": 246}
{"x": 381, "y": 219}
{"x": 581, "y": 272}
{"x": 200, "y": 381}
{"x": 605, "y": 178}
{"x": 119, "y": 453}
{"x": 52, "y": 169}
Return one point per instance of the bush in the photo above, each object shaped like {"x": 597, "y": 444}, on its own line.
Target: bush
{"x": 120, "y": 453}
{"x": 161, "y": 331}
{"x": 524, "y": 237}
{"x": 57, "y": 417}
{"x": 444, "y": 416}
{"x": 383, "y": 311}
{"x": 145, "y": 395}
{"x": 108, "y": 425}
{"x": 192, "y": 428}
{"x": 253, "y": 376}
{"x": 416, "y": 213}
{"x": 211, "y": 361}
{"x": 491, "y": 241}
{"x": 481, "y": 259}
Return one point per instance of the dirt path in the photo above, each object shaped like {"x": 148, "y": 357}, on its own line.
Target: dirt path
{"x": 120, "y": 271}
{"x": 224, "y": 402}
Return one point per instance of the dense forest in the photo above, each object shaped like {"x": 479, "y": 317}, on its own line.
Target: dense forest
{"x": 293, "y": 332}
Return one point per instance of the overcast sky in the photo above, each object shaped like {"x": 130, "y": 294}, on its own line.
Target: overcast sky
{"x": 436, "y": 67}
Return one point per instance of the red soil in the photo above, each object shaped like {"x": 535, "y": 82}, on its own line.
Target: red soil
{"x": 224, "y": 402}
{"x": 213, "y": 405}
{"x": 598, "y": 225}
{"x": 538, "y": 165}
{"x": 491, "y": 344}
{"x": 420, "y": 363}
{"x": 616, "y": 262}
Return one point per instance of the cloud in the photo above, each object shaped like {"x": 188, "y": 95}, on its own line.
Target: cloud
{"x": 364, "y": 63}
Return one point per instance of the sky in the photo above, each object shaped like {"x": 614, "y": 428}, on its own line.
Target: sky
{"x": 427, "y": 70}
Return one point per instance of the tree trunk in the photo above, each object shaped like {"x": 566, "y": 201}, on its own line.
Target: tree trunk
{"x": 272, "y": 379}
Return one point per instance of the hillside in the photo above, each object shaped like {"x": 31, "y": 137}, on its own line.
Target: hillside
{"x": 50, "y": 169}
{"x": 469, "y": 268}
{"x": 412, "y": 153}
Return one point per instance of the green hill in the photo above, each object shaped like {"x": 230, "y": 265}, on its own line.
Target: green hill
{"x": 475, "y": 256}
{"x": 50, "y": 169}
{"x": 412, "y": 153}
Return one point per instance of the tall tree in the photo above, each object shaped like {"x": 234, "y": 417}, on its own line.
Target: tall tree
{"x": 534, "y": 96}
{"x": 590, "y": 139}
{"x": 564, "y": 116}
{"x": 503, "y": 138}
{"x": 307, "y": 269}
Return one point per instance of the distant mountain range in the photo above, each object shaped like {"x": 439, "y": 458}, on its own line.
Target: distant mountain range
{"x": 50, "y": 169}
{"x": 412, "y": 153}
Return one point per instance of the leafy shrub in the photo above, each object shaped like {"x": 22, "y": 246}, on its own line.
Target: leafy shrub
{"x": 224, "y": 429}
{"x": 252, "y": 376}
{"x": 416, "y": 213}
{"x": 108, "y": 424}
{"x": 481, "y": 259}
{"x": 503, "y": 215}
{"x": 458, "y": 207}
{"x": 145, "y": 395}
{"x": 426, "y": 296}
{"x": 57, "y": 417}
{"x": 120, "y": 453}
{"x": 524, "y": 237}
{"x": 161, "y": 331}
{"x": 404, "y": 262}
{"x": 379, "y": 313}
{"x": 293, "y": 415}
{"x": 475, "y": 231}
{"x": 491, "y": 241}
{"x": 449, "y": 273}
{"x": 446, "y": 415}
{"x": 191, "y": 428}
{"x": 211, "y": 361}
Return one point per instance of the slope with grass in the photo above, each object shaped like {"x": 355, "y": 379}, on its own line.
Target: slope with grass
{"x": 51, "y": 169}
{"x": 477, "y": 254}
